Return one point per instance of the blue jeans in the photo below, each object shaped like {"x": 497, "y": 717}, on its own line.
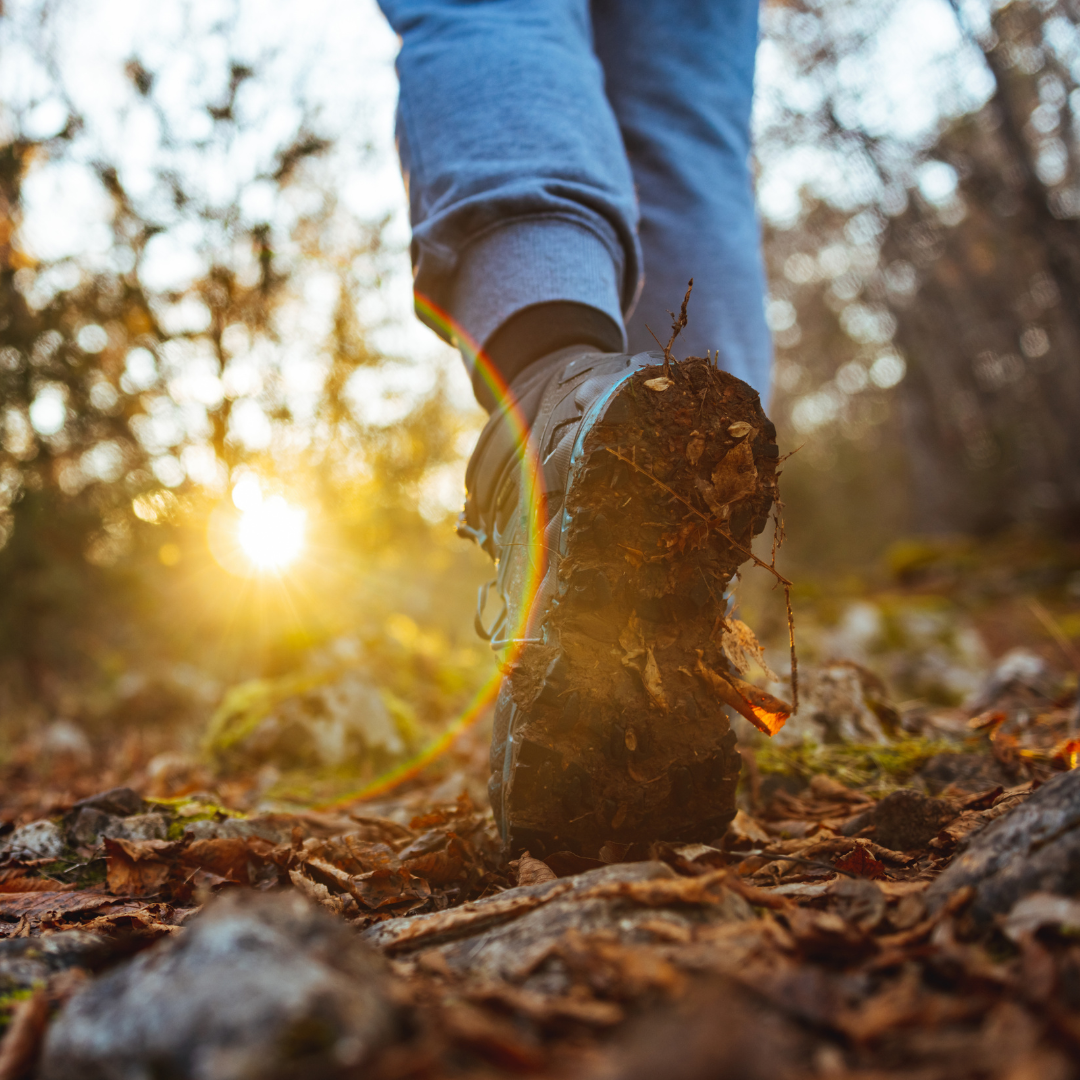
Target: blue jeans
{"x": 598, "y": 153}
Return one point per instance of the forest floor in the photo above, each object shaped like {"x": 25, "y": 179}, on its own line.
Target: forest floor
{"x": 894, "y": 898}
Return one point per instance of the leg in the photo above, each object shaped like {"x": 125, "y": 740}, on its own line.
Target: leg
{"x": 679, "y": 75}
{"x": 520, "y": 193}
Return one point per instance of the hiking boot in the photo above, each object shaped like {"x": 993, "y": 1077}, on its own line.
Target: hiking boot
{"x": 617, "y": 528}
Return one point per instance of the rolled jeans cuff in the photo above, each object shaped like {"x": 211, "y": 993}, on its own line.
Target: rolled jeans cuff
{"x": 533, "y": 261}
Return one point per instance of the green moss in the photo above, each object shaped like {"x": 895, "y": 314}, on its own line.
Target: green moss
{"x": 878, "y": 767}
{"x": 73, "y": 869}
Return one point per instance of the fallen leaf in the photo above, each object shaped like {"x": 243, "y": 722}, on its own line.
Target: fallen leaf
{"x": 742, "y": 648}
{"x": 145, "y": 924}
{"x": 745, "y": 832}
{"x": 33, "y": 905}
{"x": 16, "y": 880}
{"x": 767, "y": 713}
{"x": 532, "y": 871}
{"x": 228, "y": 858}
{"x": 659, "y": 384}
{"x": 318, "y": 892}
{"x": 861, "y": 862}
{"x": 735, "y": 475}
{"x": 451, "y": 861}
{"x": 138, "y": 867}
{"x": 382, "y": 888}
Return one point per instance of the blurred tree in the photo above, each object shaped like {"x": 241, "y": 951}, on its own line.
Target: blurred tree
{"x": 992, "y": 403}
{"x": 130, "y": 404}
{"x": 923, "y": 285}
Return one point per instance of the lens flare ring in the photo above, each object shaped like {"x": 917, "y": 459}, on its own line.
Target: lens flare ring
{"x": 532, "y": 476}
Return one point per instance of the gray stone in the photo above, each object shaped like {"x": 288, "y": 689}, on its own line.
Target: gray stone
{"x": 259, "y": 985}
{"x": 91, "y": 824}
{"x": 38, "y": 840}
{"x": 121, "y": 801}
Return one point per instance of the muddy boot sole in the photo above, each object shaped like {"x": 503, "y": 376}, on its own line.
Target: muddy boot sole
{"x": 613, "y": 731}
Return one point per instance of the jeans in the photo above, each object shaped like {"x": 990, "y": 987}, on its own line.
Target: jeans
{"x": 598, "y": 153}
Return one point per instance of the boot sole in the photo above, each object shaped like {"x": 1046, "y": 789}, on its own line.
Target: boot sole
{"x": 611, "y": 733}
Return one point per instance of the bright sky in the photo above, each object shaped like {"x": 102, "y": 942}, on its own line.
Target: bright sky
{"x": 337, "y": 58}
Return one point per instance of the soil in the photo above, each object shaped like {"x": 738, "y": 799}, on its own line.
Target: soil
{"x": 627, "y": 739}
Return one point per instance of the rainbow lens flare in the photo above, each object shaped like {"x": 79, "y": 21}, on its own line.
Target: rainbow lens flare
{"x": 532, "y": 476}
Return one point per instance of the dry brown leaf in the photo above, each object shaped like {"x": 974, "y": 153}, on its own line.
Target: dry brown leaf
{"x": 138, "y": 867}
{"x": 743, "y": 649}
{"x": 532, "y": 871}
{"x": 229, "y": 858}
{"x": 767, "y": 713}
{"x": 450, "y": 861}
{"x": 859, "y": 861}
{"x": 313, "y": 890}
{"x": 16, "y": 880}
{"x": 735, "y": 476}
{"x": 36, "y": 904}
{"x": 384, "y": 888}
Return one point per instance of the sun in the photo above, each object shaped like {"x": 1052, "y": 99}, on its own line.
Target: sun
{"x": 260, "y": 533}
{"x": 271, "y": 533}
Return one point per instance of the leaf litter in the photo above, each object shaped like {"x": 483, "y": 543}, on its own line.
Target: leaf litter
{"x": 899, "y": 907}
{"x": 815, "y": 920}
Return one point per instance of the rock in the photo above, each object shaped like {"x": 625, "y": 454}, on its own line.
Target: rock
{"x": 121, "y": 801}
{"x": 904, "y": 820}
{"x": 1033, "y": 848}
{"x": 29, "y": 961}
{"x": 277, "y": 829}
{"x": 324, "y": 718}
{"x": 969, "y": 773}
{"x": 1018, "y": 671}
{"x": 842, "y": 702}
{"x": 38, "y": 840}
{"x": 90, "y": 825}
{"x": 260, "y": 985}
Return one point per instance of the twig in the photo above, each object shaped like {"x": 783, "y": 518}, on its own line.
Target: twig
{"x": 750, "y": 555}
{"x": 677, "y": 325}
{"x": 794, "y": 659}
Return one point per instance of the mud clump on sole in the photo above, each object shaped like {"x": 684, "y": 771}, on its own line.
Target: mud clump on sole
{"x": 626, "y": 738}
